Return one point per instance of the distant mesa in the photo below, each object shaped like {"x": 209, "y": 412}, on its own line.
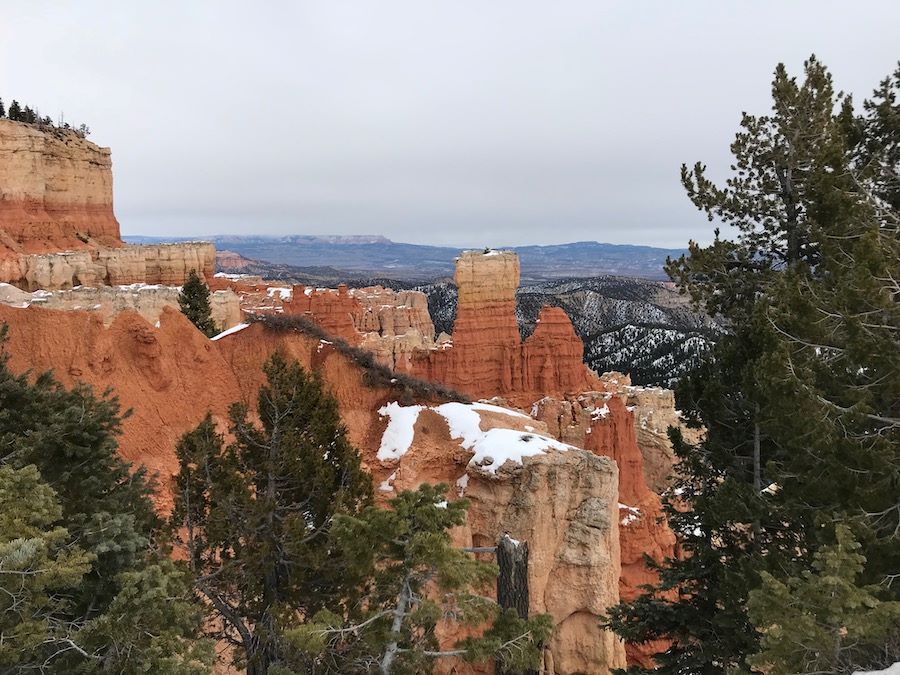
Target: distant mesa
{"x": 373, "y": 256}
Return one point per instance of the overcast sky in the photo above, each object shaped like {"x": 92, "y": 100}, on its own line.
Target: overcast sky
{"x": 458, "y": 122}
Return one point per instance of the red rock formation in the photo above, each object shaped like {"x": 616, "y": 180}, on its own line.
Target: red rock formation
{"x": 390, "y": 313}
{"x": 55, "y": 191}
{"x": 643, "y": 529}
{"x": 487, "y": 357}
{"x": 553, "y": 355}
{"x": 563, "y": 503}
{"x": 171, "y": 375}
{"x": 332, "y": 310}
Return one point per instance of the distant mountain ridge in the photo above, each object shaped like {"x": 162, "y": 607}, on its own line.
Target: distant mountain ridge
{"x": 378, "y": 256}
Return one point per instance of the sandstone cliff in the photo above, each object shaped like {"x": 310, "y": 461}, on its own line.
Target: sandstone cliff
{"x": 560, "y": 499}
{"x": 167, "y": 264}
{"x": 393, "y": 325}
{"x": 57, "y": 227}
{"x": 332, "y": 310}
{"x": 55, "y": 191}
{"x": 602, "y": 423}
{"x": 108, "y": 301}
{"x": 391, "y": 313}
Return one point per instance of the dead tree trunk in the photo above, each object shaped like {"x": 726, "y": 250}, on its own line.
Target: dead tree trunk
{"x": 512, "y": 582}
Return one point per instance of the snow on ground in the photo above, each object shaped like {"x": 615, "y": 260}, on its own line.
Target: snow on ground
{"x": 233, "y": 277}
{"x": 632, "y": 513}
{"x": 890, "y": 670}
{"x": 498, "y": 446}
{"x": 464, "y": 422}
{"x": 285, "y": 292}
{"x": 387, "y": 484}
{"x": 233, "y": 329}
{"x": 491, "y": 448}
{"x": 487, "y": 407}
{"x": 600, "y": 413}
{"x": 400, "y": 429}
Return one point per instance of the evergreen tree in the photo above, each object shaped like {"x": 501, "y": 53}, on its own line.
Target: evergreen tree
{"x": 799, "y": 207}
{"x": 822, "y": 621}
{"x": 40, "y": 565}
{"x": 90, "y": 525}
{"x": 2, "y": 109}
{"x": 253, "y": 517}
{"x": 15, "y": 112}
{"x": 838, "y": 357}
{"x": 419, "y": 580}
{"x": 194, "y": 303}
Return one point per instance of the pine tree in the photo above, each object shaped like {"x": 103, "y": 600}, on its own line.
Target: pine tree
{"x": 88, "y": 506}
{"x": 40, "y": 565}
{"x": 254, "y": 516}
{"x": 15, "y": 112}
{"x": 418, "y": 580}
{"x": 791, "y": 199}
{"x": 194, "y": 303}
{"x": 839, "y": 353}
{"x": 822, "y": 621}
{"x": 2, "y": 109}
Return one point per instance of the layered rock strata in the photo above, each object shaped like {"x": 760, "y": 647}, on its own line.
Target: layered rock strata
{"x": 55, "y": 191}
{"x": 390, "y": 313}
{"x": 332, "y": 310}
{"x": 644, "y": 530}
{"x": 57, "y": 226}
{"x": 108, "y": 301}
{"x": 167, "y": 264}
{"x": 602, "y": 423}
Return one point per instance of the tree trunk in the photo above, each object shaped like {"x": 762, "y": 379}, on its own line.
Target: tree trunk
{"x": 393, "y": 647}
{"x": 757, "y": 475}
{"x": 757, "y": 463}
{"x": 512, "y": 582}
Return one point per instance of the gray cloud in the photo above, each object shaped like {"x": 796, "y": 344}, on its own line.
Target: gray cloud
{"x": 464, "y": 122}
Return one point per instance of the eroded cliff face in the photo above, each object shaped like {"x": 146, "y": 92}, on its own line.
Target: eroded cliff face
{"x": 166, "y": 264}
{"x": 487, "y": 357}
{"x": 172, "y": 374}
{"x": 602, "y": 423}
{"x": 108, "y": 301}
{"x": 562, "y": 500}
{"x": 332, "y": 310}
{"x": 393, "y": 325}
{"x": 55, "y": 191}
{"x": 391, "y": 313}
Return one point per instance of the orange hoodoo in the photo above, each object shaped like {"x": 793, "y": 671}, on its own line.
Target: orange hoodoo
{"x": 487, "y": 357}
